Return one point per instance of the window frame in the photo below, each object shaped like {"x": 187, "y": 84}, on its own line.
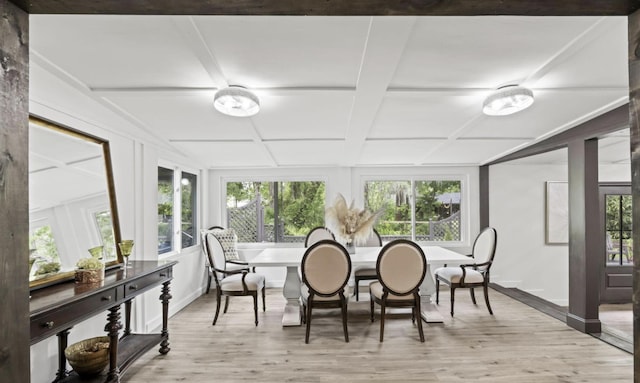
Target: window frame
{"x": 298, "y": 178}
{"x": 412, "y": 179}
{"x": 176, "y": 229}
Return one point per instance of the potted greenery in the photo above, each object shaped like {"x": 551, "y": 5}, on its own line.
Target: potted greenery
{"x": 89, "y": 270}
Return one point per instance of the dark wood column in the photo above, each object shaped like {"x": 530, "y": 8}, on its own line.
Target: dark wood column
{"x": 484, "y": 196}
{"x": 634, "y": 126}
{"x": 584, "y": 255}
{"x": 14, "y": 194}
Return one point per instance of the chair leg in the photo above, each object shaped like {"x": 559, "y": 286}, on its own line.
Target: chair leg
{"x": 304, "y": 313}
{"x": 226, "y": 304}
{"x": 255, "y": 306}
{"x": 486, "y": 298}
{"x": 473, "y": 296}
{"x": 344, "y": 319}
{"x": 382, "y": 312}
{"x": 413, "y": 315}
{"x": 437, "y": 291}
{"x": 264, "y": 305}
{"x": 208, "y": 283}
{"x": 418, "y": 309}
{"x": 218, "y": 298}
{"x": 453, "y": 298}
{"x": 372, "y": 303}
{"x": 306, "y": 337}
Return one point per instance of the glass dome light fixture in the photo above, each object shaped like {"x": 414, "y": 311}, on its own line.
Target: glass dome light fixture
{"x": 236, "y": 101}
{"x": 507, "y": 100}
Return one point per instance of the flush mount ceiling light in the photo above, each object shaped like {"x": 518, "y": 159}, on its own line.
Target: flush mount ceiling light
{"x": 236, "y": 101}
{"x": 507, "y": 100}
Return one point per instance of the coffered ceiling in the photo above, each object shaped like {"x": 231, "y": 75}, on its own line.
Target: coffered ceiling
{"x": 337, "y": 91}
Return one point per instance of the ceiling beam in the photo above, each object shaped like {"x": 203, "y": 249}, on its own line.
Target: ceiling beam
{"x": 335, "y": 7}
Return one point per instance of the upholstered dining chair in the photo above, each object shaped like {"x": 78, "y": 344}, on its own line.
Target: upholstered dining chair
{"x": 401, "y": 268}
{"x": 326, "y": 267}
{"x": 367, "y": 273}
{"x": 471, "y": 275}
{"x": 227, "y": 239}
{"x": 317, "y": 234}
{"x": 238, "y": 282}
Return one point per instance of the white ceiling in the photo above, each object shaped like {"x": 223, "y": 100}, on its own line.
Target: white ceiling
{"x": 339, "y": 91}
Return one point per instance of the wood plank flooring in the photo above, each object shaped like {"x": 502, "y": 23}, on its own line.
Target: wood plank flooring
{"x": 517, "y": 344}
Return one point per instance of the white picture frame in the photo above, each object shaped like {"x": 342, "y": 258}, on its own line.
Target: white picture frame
{"x": 557, "y": 213}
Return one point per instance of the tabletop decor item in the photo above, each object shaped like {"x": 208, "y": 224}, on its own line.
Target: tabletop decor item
{"x": 89, "y": 357}
{"x": 126, "y": 247}
{"x": 89, "y": 270}
{"x": 350, "y": 225}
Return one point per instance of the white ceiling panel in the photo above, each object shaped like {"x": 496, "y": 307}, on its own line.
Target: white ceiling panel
{"x": 482, "y": 51}
{"x": 307, "y": 153}
{"x": 424, "y": 114}
{"x": 272, "y": 51}
{"x": 396, "y": 152}
{"x": 470, "y": 151}
{"x": 178, "y": 116}
{"x": 117, "y": 51}
{"x": 310, "y": 114}
{"x": 227, "y": 154}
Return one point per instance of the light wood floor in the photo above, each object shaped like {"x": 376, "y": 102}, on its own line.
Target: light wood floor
{"x": 517, "y": 344}
{"x": 618, "y": 318}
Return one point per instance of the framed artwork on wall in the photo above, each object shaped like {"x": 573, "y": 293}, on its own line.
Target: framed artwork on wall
{"x": 557, "y": 213}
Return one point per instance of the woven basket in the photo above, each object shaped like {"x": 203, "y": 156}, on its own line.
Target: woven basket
{"x": 90, "y": 356}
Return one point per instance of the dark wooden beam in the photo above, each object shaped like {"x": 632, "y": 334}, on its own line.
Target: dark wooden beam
{"x": 634, "y": 127}
{"x": 14, "y": 194}
{"x": 609, "y": 122}
{"x": 484, "y": 196}
{"x": 584, "y": 237}
{"x": 335, "y": 7}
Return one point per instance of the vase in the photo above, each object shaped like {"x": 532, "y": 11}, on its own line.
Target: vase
{"x": 89, "y": 276}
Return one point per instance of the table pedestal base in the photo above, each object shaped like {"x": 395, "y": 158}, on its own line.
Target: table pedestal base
{"x": 291, "y": 291}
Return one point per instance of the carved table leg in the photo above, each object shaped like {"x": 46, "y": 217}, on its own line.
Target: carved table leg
{"x": 127, "y": 318}
{"x": 62, "y": 360}
{"x": 164, "y": 298}
{"x": 113, "y": 328}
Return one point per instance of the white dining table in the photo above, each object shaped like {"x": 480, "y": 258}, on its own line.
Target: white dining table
{"x": 291, "y": 258}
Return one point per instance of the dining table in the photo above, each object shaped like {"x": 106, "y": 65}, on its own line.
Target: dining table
{"x": 291, "y": 258}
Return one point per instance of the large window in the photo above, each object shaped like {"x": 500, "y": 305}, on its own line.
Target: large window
{"x": 423, "y": 210}
{"x": 281, "y": 211}
{"x": 177, "y": 209}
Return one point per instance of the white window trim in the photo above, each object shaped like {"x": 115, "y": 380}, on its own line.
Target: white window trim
{"x": 176, "y": 230}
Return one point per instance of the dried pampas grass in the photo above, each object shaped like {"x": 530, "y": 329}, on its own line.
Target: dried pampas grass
{"x": 349, "y": 224}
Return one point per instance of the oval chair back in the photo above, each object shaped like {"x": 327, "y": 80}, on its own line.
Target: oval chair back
{"x": 401, "y": 266}
{"x": 326, "y": 267}
{"x": 484, "y": 248}
{"x": 317, "y": 234}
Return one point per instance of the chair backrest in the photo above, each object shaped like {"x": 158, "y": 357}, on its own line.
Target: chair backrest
{"x": 484, "y": 247}
{"x": 401, "y": 266}
{"x": 326, "y": 267}
{"x": 374, "y": 240}
{"x": 317, "y": 234}
{"x": 215, "y": 254}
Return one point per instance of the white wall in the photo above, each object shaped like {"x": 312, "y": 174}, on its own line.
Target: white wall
{"x": 517, "y": 211}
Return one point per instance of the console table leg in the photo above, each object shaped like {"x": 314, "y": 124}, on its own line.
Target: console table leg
{"x": 113, "y": 327}
{"x": 164, "y": 297}
{"x": 62, "y": 360}
{"x": 127, "y": 318}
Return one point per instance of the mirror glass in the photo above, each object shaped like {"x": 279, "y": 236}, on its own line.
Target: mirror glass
{"x": 71, "y": 201}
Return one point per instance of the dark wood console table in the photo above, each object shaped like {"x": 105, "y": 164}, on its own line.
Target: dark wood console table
{"x": 56, "y": 309}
